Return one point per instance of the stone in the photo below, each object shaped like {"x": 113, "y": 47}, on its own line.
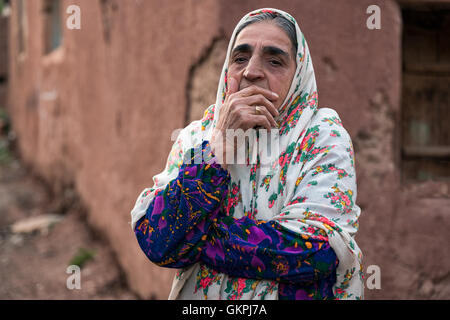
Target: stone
{"x": 39, "y": 223}
{"x": 427, "y": 288}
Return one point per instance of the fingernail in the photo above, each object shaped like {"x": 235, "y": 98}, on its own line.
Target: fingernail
{"x": 275, "y": 95}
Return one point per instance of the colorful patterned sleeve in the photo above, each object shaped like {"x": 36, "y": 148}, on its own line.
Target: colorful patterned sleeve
{"x": 266, "y": 250}
{"x": 173, "y": 230}
{"x": 184, "y": 225}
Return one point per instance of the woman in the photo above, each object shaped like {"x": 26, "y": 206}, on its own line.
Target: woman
{"x": 282, "y": 230}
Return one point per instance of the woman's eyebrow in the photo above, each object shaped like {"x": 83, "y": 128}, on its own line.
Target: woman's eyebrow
{"x": 275, "y": 51}
{"x": 271, "y": 50}
{"x": 242, "y": 48}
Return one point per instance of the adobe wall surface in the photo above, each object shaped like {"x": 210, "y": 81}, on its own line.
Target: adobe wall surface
{"x": 98, "y": 114}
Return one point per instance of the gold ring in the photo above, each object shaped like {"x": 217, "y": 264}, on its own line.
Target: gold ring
{"x": 258, "y": 110}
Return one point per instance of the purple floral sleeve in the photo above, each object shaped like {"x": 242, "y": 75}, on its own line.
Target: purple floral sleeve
{"x": 184, "y": 225}
{"x": 173, "y": 231}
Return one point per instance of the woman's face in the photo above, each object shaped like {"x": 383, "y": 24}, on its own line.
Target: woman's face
{"x": 262, "y": 56}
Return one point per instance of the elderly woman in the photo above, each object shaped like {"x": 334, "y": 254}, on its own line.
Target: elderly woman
{"x": 283, "y": 229}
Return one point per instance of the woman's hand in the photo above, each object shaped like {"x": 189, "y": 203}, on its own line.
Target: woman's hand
{"x": 239, "y": 112}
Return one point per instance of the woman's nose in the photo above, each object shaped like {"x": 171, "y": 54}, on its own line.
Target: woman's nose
{"x": 253, "y": 70}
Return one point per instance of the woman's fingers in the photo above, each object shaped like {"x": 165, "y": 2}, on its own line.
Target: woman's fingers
{"x": 260, "y": 120}
{"x": 252, "y": 95}
{"x": 249, "y": 119}
{"x": 254, "y": 90}
{"x": 260, "y": 100}
{"x": 245, "y": 117}
{"x": 267, "y": 114}
{"x": 239, "y": 109}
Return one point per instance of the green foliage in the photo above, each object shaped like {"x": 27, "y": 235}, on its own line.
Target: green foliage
{"x": 4, "y": 120}
{"x": 5, "y": 154}
{"x": 82, "y": 256}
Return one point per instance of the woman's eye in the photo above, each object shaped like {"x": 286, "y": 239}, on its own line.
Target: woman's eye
{"x": 240, "y": 59}
{"x": 275, "y": 62}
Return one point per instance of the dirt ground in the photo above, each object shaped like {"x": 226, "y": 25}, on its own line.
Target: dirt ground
{"x": 33, "y": 265}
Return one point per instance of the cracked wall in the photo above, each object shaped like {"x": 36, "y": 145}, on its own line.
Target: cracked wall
{"x": 204, "y": 79}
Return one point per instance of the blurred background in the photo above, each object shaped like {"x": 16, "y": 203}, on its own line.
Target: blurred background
{"x": 86, "y": 118}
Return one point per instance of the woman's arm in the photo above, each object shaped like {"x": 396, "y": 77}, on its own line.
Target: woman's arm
{"x": 183, "y": 225}
{"x": 173, "y": 230}
{"x": 266, "y": 250}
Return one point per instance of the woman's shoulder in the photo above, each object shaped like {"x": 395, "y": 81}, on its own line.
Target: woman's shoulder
{"x": 329, "y": 123}
{"x": 324, "y": 114}
{"x": 192, "y": 134}
{"x": 208, "y": 117}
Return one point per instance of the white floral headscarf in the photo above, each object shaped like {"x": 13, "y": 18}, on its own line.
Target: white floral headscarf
{"x": 310, "y": 187}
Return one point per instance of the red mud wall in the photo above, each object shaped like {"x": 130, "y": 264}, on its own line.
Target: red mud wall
{"x": 98, "y": 114}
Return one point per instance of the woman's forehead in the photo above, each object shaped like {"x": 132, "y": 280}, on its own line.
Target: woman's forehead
{"x": 264, "y": 32}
